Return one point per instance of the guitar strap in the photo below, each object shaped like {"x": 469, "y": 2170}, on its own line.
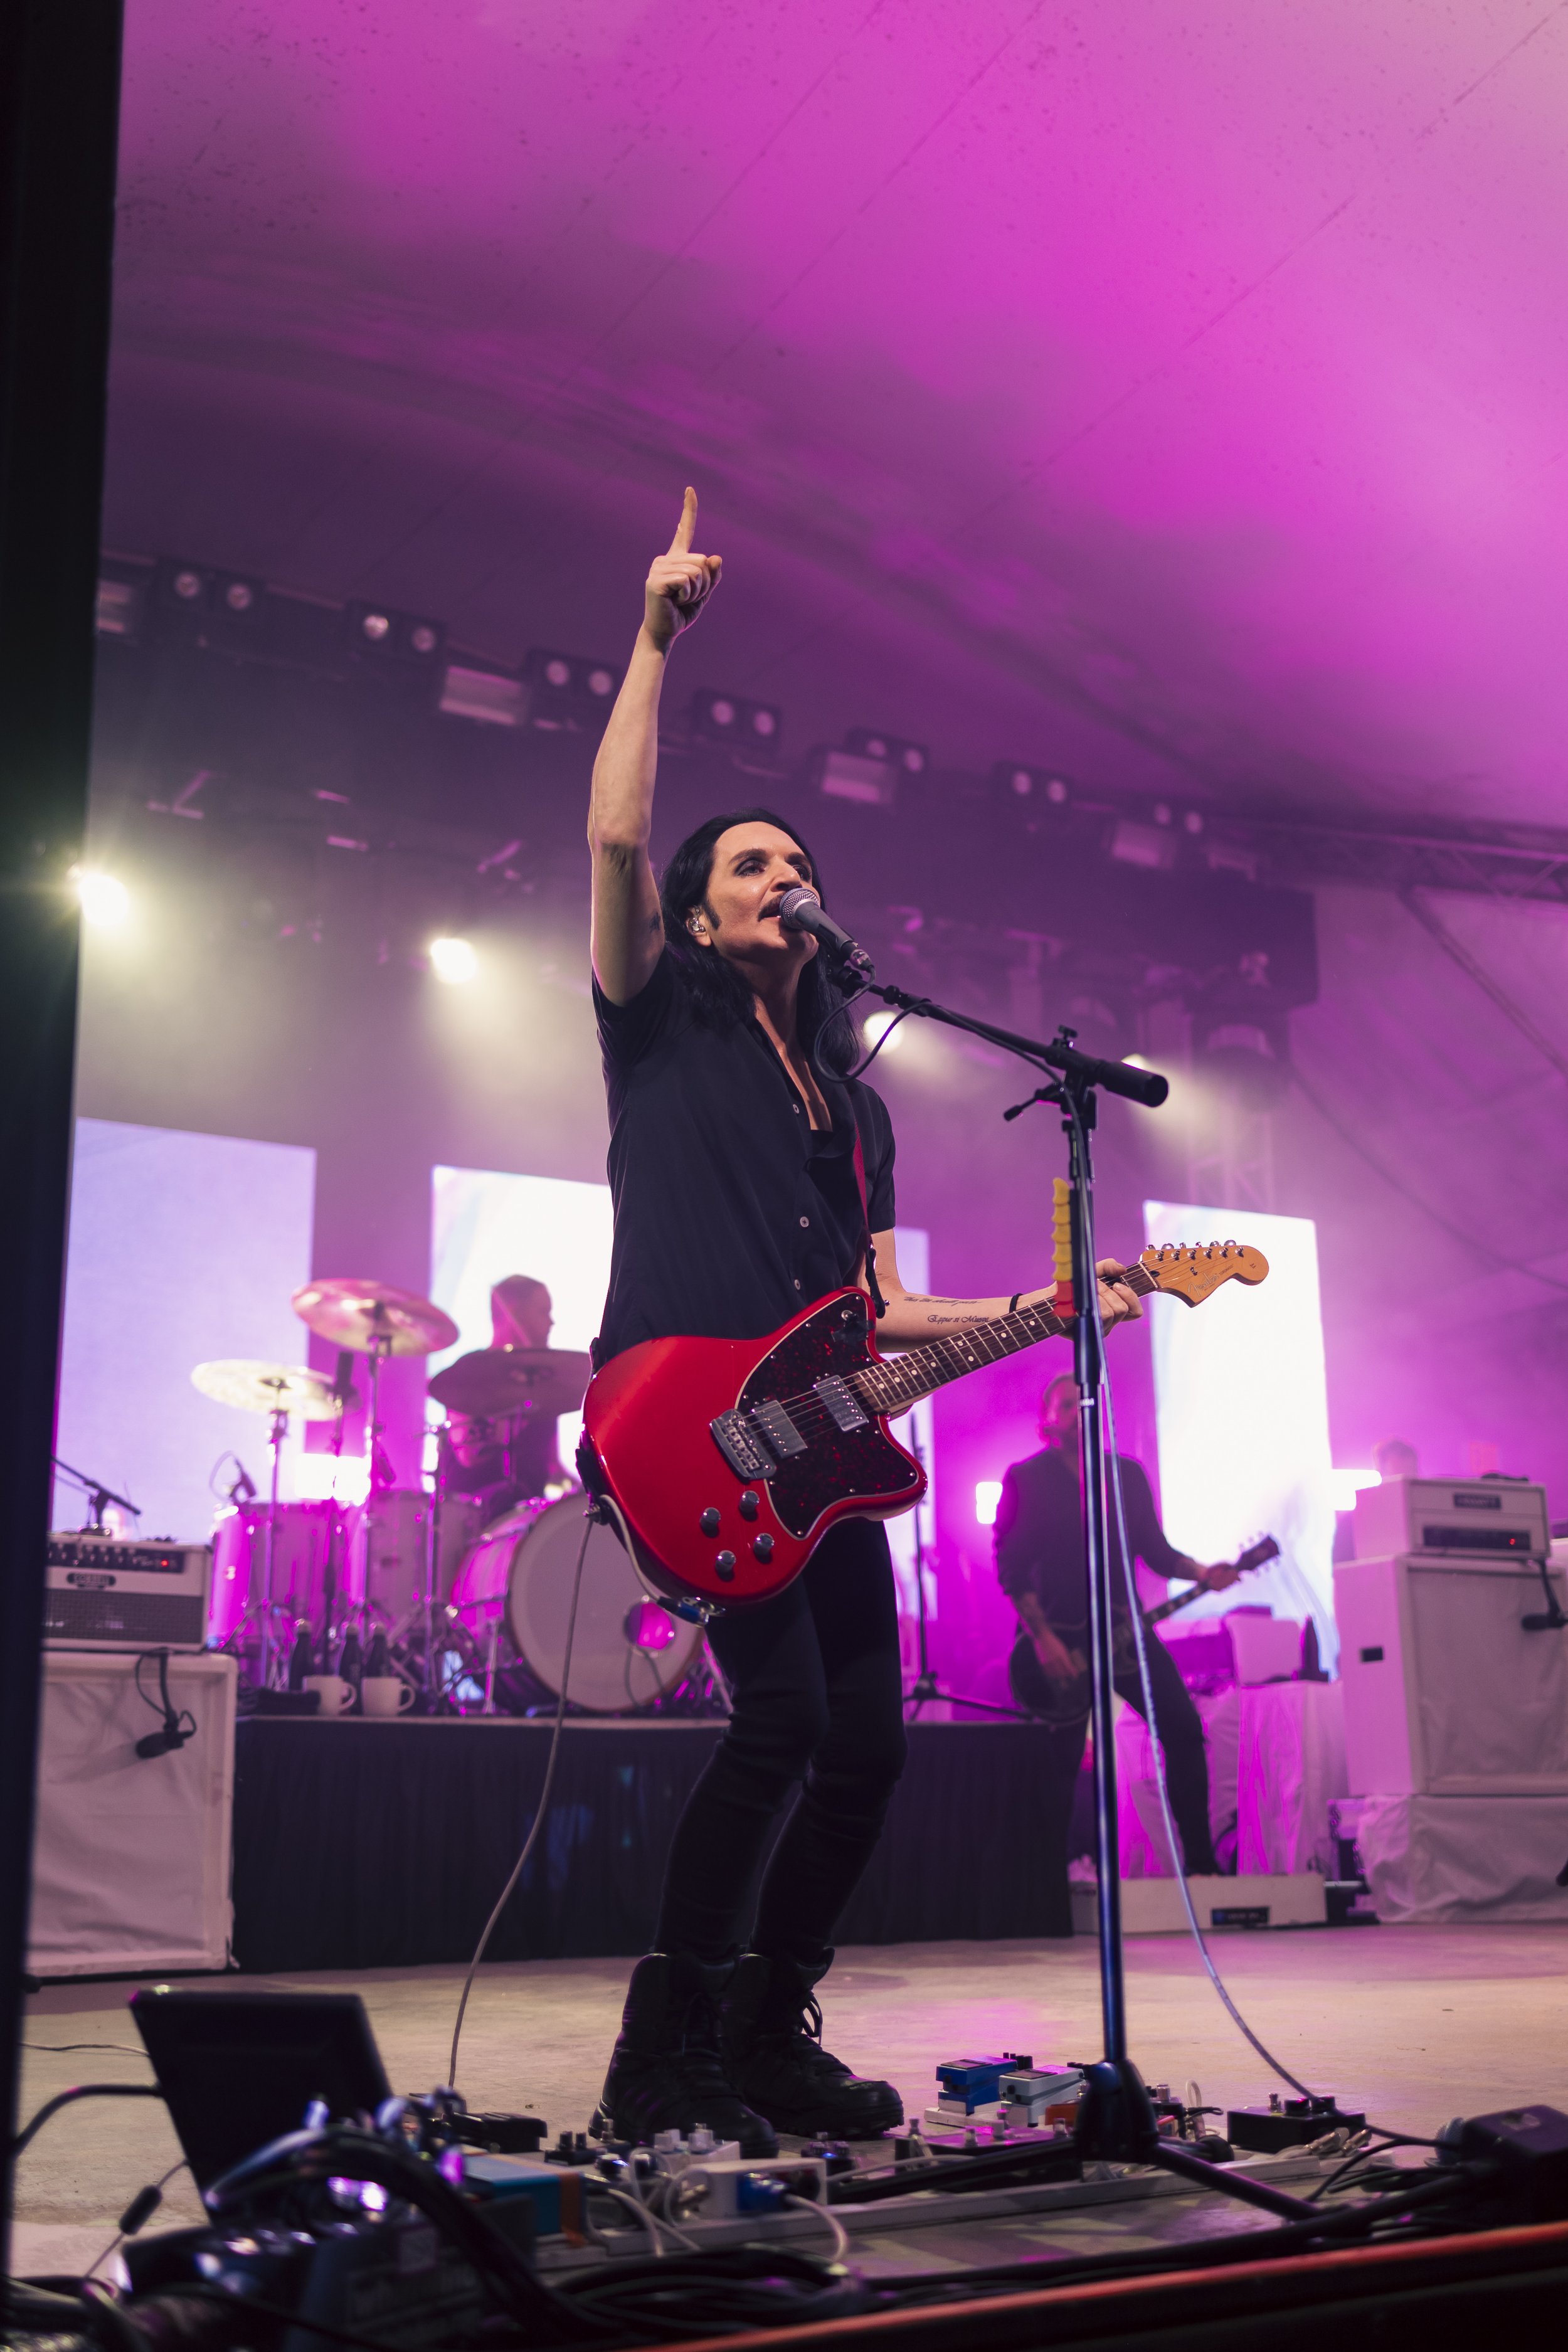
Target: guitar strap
{"x": 878, "y": 1301}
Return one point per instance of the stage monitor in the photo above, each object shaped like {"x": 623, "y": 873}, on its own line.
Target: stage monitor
{"x": 239, "y": 2069}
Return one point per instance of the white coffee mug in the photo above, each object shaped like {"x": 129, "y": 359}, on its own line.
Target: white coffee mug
{"x": 386, "y": 1694}
{"x": 336, "y": 1695}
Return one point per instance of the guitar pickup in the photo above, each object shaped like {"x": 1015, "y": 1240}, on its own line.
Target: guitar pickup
{"x": 742, "y": 1447}
{"x": 777, "y": 1428}
{"x": 839, "y": 1398}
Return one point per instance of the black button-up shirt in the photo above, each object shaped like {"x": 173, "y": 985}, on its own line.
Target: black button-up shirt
{"x": 1039, "y": 1537}
{"x": 731, "y": 1212}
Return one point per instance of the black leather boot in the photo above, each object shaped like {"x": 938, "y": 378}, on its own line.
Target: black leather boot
{"x": 770, "y": 2041}
{"x": 666, "y": 2072}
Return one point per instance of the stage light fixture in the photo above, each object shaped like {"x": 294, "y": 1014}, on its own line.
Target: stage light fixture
{"x": 454, "y": 960}
{"x": 845, "y": 776}
{"x": 198, "y": 601}
{"x": 104, "y": 900}
{"x": 988, "y": 1500}
{"x": 381, "y": 635}
{"x": 569, "y": 691}
{"x": 733, "y": 722}
{"x": 1151, "y": 845}
{"x": 490, "y": 697}
{"x": 1027, "y": 789}
{"x": 870, "y": 744}
{"x": 118, "y": 609}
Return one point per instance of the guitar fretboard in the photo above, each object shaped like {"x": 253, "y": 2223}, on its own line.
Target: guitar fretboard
{"x": 894, "y": 1386}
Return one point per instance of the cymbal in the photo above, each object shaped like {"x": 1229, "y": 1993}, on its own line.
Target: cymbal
{"x": 492, "y": 1383}
{"x": 257, "y": 1387}
{"x": 372, "y": 1318}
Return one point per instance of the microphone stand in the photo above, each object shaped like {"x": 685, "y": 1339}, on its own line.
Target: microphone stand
{"x": 1116, "y": 2117}
{"x": 98, "y": 1498}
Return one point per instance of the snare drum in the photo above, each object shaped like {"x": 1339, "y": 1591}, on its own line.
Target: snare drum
{"x": 626, "y": 1651}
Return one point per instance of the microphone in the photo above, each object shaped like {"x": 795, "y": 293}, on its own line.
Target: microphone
{"x": 800, "y": 910}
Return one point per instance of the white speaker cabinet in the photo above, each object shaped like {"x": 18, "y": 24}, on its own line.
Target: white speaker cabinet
{"x": 130, "y": 1853}
{"x": 1445, "y": 1693}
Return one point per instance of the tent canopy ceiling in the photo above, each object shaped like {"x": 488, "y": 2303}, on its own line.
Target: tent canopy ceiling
{"x": 1167, "y": 394}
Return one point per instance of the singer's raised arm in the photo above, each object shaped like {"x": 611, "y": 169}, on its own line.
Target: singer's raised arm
{"x": 626, "y": 929}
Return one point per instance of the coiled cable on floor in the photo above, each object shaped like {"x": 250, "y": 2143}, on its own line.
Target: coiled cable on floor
{"x": 540, "y": 1811}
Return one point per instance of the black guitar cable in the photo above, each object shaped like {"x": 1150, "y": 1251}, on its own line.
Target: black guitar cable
{"x": 591, "y": 1513}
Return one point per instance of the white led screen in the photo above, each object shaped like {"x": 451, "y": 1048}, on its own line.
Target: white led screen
{"x": 183, "y": 1249}
{"x": 1242, "y": 1404}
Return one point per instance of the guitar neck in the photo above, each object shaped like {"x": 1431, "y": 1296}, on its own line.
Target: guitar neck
{"x": 1164, "y": 1609}
{"x": 902, "y": 1380}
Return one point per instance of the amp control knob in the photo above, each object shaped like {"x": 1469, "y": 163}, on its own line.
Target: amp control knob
{"x": 724, "y": 1564}
{"x": 709, "y": 1522}
{"x": 762, "y": 1548}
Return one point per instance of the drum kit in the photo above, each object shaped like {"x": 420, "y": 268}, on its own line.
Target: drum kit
{"x": 469, "y": 1606}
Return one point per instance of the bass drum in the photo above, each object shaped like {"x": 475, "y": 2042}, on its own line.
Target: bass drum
{"x": 627, "y": 1652}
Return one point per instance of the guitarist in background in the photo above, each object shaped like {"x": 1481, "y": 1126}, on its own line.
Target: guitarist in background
{"x": 1042, "y": 1569}
{"x": 746, "y": 1186}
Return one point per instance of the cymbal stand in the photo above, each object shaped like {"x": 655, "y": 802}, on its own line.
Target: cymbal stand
{"x": 381, "y": 1475}
{"x": 263, "y": 1610}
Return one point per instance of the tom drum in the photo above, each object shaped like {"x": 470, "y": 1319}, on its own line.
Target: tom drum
{"x": 308, "y": 1535}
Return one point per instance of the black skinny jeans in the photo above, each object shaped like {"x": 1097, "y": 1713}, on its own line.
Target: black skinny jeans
{"x": 817, "y": 1694}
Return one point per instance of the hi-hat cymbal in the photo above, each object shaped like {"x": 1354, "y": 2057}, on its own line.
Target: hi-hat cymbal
{"x": 257, "y": 1387}
{"x": 372, "y": 1316}
{"x": 492, "y": 1383}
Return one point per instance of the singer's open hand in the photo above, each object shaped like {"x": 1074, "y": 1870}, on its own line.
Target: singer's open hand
{"x": 680, "y": 582}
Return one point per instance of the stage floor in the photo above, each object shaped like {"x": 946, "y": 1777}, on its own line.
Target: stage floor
{"x": 1415, "y": 2024}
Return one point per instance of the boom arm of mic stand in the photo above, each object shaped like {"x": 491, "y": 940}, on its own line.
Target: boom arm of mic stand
{"x": 1146, "y": 1086}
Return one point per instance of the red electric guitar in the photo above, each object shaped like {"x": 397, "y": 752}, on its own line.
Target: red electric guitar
{"x": 728, "y": 1460}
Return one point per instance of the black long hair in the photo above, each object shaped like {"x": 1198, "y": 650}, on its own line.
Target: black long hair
{"x": 720, "y": 995}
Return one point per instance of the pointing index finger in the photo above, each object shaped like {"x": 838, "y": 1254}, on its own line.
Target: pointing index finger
{"x": 681, "y": 544}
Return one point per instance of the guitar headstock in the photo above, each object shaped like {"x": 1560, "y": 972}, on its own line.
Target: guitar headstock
{"x": 1194, "y": 1270}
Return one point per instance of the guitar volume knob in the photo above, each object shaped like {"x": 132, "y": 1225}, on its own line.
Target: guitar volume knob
{"x": 709, "y": 1522}
{"x": 762, "y": 1548}
{"x": 748, "y": 1505}
{"x": 724, "y": 1565}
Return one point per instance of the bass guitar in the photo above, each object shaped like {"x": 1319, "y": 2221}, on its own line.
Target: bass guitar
{"x": 725, "y": 1462}
{"x": 1063, "y": 1700}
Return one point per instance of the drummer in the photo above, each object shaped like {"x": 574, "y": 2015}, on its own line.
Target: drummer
{"x": 501, "y": 1462}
